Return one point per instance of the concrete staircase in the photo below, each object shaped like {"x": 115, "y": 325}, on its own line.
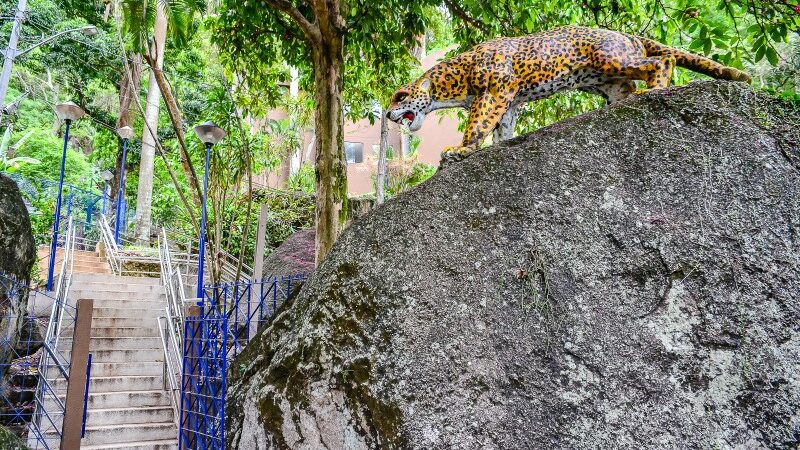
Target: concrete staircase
{"x": 84, "y": 262}
{"x": 127, "y": 406}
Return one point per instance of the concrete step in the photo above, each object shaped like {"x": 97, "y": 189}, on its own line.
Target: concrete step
{"x": 122, "y": 399}
{"x": 115, "y": 279}
{"x": 149, "y": 326}
{"x": 150, "y": 302}
{"x": 122, "y": 416}
{"x": 156, "y": 298}
{"x": 115, "y": 343}
{"x": 138, "y": 368}
{"x": 90, "y": 269}
{"x": 114, "y": 332}
{"x": 98, "y": 385}
{"x": 117, "y": 286}
{"x": 167, "y": 444}
{"x": 124, "y": 322}
{"x": 143, "y": 313}
{"x": 114, "y": 356}
{"x": 120, "y": 435}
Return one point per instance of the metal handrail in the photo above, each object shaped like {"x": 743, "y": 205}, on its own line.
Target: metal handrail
{"x": 228, "y": 261}
{"x": 53, "y": 332}
{"x": 170, "y": 372}
{"x": 172, "y": 333}
{"x": 111, "y": 246}
{"x": 62, "y": 290}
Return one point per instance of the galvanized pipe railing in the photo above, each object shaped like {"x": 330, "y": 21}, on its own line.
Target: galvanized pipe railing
{"x": 112, "y": 251}
{"x": 170, "y": 326}
{"x": 50, "y": 345}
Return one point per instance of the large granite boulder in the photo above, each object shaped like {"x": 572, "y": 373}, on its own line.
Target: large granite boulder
{"x": 625, "y": 279}
{"x": 17, "y": 255}
{"x": 294, "y": 256}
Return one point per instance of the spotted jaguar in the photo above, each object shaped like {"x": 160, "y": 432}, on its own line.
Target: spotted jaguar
{"x": 492, "y": 79}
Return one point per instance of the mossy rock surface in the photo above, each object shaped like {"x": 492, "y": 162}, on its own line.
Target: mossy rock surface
{"x": 17, "y": 255}
{"x": 625, "y": 279}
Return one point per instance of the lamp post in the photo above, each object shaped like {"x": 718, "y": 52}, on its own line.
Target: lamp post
{"x": 68, "y": 112}
{"x": 126, "y": 133}
{"x": 12, "y": 53}
{"x": 107, "y": 176}
{"x": 209, "y": 134}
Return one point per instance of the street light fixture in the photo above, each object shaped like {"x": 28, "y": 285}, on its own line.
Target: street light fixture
{"x": 107, "y": 176}
{"x": 89, "y": 30}
{"x": 68, "y": 112}
{"x": 209, "y": 134}
{"x": 12, "y": 53}
{"x": 126, "y": 133}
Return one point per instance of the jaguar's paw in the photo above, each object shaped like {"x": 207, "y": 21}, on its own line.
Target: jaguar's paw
{"x": 452, "y": 155}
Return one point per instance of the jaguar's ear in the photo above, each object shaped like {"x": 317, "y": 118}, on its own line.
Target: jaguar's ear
{"x": 425, "y": 84}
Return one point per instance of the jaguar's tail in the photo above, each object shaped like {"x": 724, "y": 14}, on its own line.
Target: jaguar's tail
{"x": 694, "y": 62}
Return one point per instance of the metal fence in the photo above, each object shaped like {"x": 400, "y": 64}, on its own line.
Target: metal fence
{"x": 35, "y": 367}
{"x": 203, "y": 386}
{"x": 230, "y": 316}
{"x": 83, "y": 205}
{"x": 248, "y": 305}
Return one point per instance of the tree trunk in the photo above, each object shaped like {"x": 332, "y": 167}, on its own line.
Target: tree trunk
{"x": 331, "y": 168}
{"x": 380, "y": 178}
{"x": 177, "y": 125}
{"x": 128, "y": 91}
{"x": 144, "y": 198}
{"x": 285, "y": 171}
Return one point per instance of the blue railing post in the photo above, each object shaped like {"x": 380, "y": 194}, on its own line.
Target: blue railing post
{"x": 86, "y": 394}
{"x": 121, "y": 192}
{"x": 105, "y": 199}
{"x": 202, "y": 251}
{"x": 69, "y": 201}
{"x": 88, "y": 225}
{"x": 52, "y": 264}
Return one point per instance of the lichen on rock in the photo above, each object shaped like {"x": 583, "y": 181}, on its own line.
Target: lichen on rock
{"x": 17, "y": 255}
{"x": 624, "y": 279}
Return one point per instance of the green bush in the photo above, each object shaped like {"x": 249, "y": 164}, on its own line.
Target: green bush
{"x": 47, "y": 148}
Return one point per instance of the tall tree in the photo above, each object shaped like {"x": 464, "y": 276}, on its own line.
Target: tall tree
{"x": 144, "y": 194}
{"x": 380, "y": 178}
{"x": 336, "y": 37}
{"x": 139, "y": 19}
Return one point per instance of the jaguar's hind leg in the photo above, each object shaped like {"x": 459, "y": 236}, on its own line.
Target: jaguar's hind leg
{"x": 655, "y": 72}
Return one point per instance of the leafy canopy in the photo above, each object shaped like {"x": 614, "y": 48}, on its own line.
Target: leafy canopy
{"x": 257, "y": 42}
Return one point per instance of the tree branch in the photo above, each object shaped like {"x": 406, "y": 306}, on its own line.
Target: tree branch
{"x": 311, "y": 31}
{"x": 461, "y": 14}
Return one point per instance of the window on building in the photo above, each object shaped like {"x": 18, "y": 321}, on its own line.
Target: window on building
{"x": 354, "y": 152}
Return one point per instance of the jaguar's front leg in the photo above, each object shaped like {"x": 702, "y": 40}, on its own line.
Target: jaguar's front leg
{"x": 484, "y": 115}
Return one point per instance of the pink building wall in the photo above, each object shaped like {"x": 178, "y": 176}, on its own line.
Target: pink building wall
{"x": 439, "y": 130}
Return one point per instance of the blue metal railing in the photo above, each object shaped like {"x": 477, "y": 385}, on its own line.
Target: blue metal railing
{"x": 248, "y": 305}
{"x": 36, "y": 365}
{"x": 83, "y": 205}
{"x": 232, "y": 314}
{"x": 203, "y": 385}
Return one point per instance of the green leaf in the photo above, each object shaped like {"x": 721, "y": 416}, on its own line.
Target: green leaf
{"x": 772, "y": 56}
{"x": 760, "y": 53}
{"x": 707, "y": 46}
{"x": 696, "y": 44}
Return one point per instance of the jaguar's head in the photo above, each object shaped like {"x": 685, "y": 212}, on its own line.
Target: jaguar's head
{"x": 411, "y": 103}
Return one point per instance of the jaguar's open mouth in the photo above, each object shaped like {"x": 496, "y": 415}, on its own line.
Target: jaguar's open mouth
{"x": 408, "y": 118}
